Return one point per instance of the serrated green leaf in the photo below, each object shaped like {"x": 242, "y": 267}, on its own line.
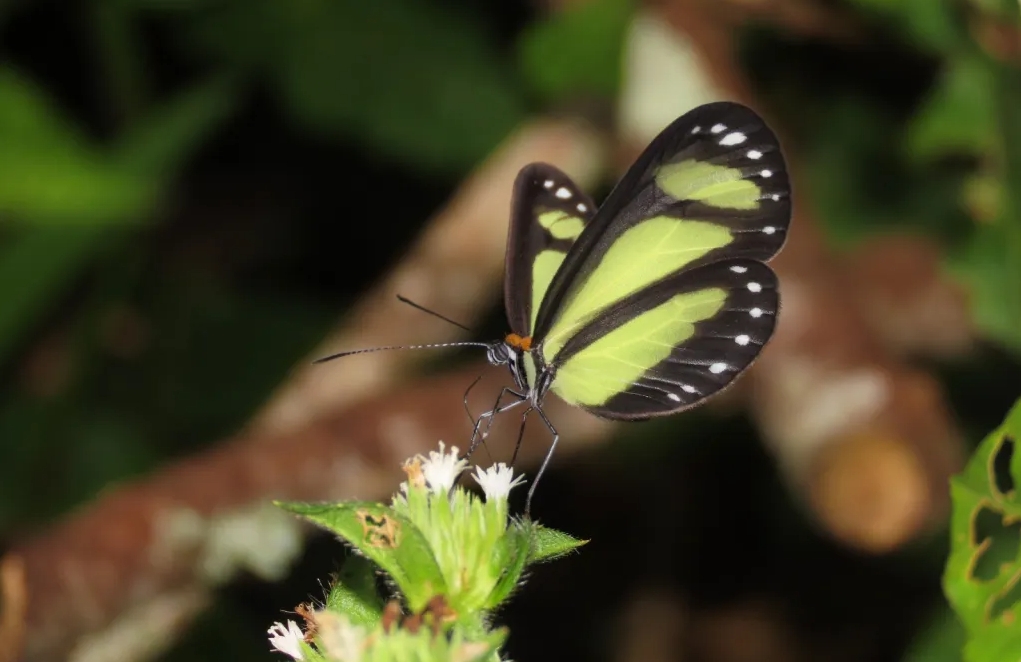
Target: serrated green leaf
{"x": 354, "y": 593}
{"x": 983, "y": 574}
{"x": 513, "y": 553}
{"x": 959, "y": 114}
{"x": 548, "y": 544}
{"x": 49, "y": 173}
{"x": 578, "y": 51}
{"x": 387, "y": 538}
{"x": 407, "y": 78}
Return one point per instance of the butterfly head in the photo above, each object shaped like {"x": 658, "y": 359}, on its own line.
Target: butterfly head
{"x": 510, "y": 352}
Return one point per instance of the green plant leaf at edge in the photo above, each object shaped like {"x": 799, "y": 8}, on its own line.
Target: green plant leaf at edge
{"x": 549, "y": 544}
{"x": 385, "y": 537}
{"x": 973, "y": 490}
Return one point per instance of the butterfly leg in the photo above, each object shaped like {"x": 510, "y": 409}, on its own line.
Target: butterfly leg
{"x": 476, "y": 439}
{"x": 521, "y": 435}
{"x": 465, "y": 400}
{"x": 467, "y": 410}
{"x": 545, "y": 462}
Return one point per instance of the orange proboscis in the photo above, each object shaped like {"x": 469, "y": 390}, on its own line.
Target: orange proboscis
{"x": 522, "y": 343}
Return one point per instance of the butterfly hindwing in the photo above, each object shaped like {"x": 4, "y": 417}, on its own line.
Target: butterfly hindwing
{"x": 713, "y": 185}
{"x": 673, "y": 344}
{"x": 548, "y": 213}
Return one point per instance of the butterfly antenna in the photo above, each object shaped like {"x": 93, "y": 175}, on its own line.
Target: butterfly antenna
{"x": 411, "y": 303}
{"x": 339, "y": 355}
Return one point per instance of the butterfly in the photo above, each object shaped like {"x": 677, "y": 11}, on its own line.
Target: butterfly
{"x": 659, "y": 298}
{"x": 656, "y": 300}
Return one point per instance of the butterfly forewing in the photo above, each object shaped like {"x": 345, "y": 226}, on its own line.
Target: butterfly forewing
{"x": 672, "y": 345}
{"x": 712, "y": 186}
{"x": 548, "y": 213}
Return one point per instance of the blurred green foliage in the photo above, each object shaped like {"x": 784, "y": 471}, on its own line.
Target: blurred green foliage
{"x": 944, "y": 162}
{"x": 404, "y": 77}
{"x": 576, "y": 53}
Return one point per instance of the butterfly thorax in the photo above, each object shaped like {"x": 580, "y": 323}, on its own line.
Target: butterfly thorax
{"x": 530, "y": 372}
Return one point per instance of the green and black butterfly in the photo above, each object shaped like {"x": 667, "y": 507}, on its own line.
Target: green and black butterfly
{"x": 661, "y": 297}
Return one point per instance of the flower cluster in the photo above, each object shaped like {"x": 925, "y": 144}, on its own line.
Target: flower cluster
{"x": 452, "y": 556}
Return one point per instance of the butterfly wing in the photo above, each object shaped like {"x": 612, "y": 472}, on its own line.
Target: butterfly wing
{"x": 713, "y": 185}
{"x": 548, "y": 213}
{"x": 673, "y": 344}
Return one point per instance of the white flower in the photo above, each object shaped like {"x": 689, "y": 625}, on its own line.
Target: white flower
{"x": 287, "y": 640}
{"x": 496, "y": 480}
{"x": 441, "y": 469}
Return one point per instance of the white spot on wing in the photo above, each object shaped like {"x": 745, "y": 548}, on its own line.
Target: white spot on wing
{"x": 687, "y": 388}
{"x": 755, "y": 312}
{"x": 754, "y": 154}
{"x": 735, "y": 138}
{"x": 769, "y": 229}
{"x": 717, "y": 368}
{"x": 718, "y": 128}
{"x": 563, "y": 193}
{"x": 754, "y": 287}
{"x": 674, "y": 397}
{"x": 742, "y": 339}
{"x": 766, "y": 173}
{"x": 582, "y": 207}
{"x": 696, "y": 129}
{"x": 548, "y": 183}
{"x": 738, "y": 269}
{"x": 775, "y": 197}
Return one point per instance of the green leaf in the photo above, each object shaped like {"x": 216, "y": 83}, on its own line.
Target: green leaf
{"x": 960, "y": 113}
{"x": 982, "y": 579}
{"x": 354, "y": 593}
{"x": 513, "y": 554}
{"x": 49, "y": 173}
{"x": 548, "y": 544}
{"x": 412, "y": 80}
{"x": 387, "y": 538}
{"x": 578, "y": 51}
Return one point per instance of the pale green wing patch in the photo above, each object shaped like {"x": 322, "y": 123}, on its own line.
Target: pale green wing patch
{"x": 614, "y": 362}
{"x": 562, "y": 225}
{"x": 716, "y": 185}
{"x": 671, "y": 345}
{"x": 548, "y": 213}
{"x": 543, "y": 269}
{"x": 642, "y": 255}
